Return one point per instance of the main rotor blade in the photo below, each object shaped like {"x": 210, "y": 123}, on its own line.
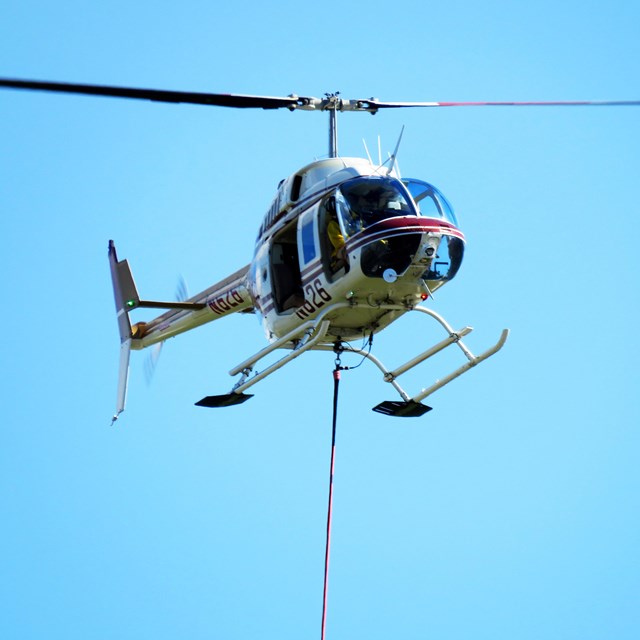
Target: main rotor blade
{"x": 156, "y": 95}
{"x": 372, "y": 104}
{"x": 276, "y": 102}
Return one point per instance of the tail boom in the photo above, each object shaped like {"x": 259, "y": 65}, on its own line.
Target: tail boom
{"x": 221, "y": 299}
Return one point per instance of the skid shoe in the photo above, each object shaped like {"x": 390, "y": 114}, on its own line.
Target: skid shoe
{"x": 224, "y": 400}
{"x": 404, "y": 409}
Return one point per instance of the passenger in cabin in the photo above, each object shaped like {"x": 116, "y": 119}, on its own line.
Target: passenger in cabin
{"x": 336, "y": 238}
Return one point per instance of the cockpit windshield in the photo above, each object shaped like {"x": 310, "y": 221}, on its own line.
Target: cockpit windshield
{"x": 365, "y": 201}
{"x": 430, "y": 201}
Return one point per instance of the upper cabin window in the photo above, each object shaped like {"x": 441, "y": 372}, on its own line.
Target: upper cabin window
{"x": 430, "y": 201}
{"x": 295, "y": 187}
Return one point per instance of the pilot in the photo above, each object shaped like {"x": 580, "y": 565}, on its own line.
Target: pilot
{"x": 368, "y": 205}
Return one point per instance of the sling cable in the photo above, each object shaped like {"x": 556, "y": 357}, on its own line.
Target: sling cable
{"x": 336, "y": 383}
{"x": 338, "y": 348}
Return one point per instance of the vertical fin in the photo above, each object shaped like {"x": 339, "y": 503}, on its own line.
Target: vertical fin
{"x": 123, "y": 379}
{"x": 124, "y": 291}
{"x": 126, "y": 297}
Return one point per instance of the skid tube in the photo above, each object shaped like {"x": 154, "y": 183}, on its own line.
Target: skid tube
{"x": 303, "y": 338}
{"x": 411, "y": 406}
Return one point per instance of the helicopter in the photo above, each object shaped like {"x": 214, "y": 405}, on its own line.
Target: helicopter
{"x": 346, "y": 247}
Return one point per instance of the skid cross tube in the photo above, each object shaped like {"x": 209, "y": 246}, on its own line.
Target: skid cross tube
{"x": 453, "y": 337}
{"x": 303, "y": 338}
{"x": 310, "y": 336}
{"x": 299, "y": 340}
{"x": 473, "y": 361}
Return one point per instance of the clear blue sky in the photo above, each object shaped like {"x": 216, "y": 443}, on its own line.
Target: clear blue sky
{"x": 510, "y": 511}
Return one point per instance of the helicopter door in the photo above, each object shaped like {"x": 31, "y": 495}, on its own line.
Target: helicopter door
{"x": 332, "y": 240}
{"x": 285, "y": 270}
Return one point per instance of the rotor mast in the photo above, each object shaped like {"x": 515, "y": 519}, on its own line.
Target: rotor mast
{"x": 333, "y": 103}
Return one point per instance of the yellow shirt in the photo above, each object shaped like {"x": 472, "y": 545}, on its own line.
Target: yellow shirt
{"x": 335, "y": 236}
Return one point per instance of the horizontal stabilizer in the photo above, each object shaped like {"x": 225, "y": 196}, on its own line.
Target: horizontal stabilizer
{"x": 154, "y": 304}
{"x": 127, "y": 297}
{"x": 225, "y": 400}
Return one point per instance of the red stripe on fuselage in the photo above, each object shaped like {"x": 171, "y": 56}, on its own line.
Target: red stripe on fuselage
{"x": 389, "y": 228}
{"x": 402, "y": 226}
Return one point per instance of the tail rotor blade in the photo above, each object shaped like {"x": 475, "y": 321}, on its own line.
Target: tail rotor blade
{"x": 151, "y": 363}
{"x": 182, "y": 291}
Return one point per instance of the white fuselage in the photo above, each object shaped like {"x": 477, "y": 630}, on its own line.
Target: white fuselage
{"x": 387, "y": 254}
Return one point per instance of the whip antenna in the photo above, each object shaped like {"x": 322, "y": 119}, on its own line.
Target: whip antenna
{"x": 392, "y": 159}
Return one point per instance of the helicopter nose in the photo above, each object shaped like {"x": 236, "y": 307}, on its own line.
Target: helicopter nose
{"x": 389, "y": 254}
{"x": 430, "y": 248}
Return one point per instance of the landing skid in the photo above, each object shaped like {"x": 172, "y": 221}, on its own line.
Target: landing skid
{"x": 411, "y": 406}
{"x": 312, "y": 335}
{"x": 303, "y": 338}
